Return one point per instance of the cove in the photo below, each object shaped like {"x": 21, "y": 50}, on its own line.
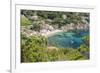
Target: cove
{"x": 67, "y": 39}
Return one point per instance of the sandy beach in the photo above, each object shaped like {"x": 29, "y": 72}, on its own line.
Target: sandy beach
{"x": 50, "y": 33}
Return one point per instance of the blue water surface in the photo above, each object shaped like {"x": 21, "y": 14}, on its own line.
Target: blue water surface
{"x": 67, "y": 39}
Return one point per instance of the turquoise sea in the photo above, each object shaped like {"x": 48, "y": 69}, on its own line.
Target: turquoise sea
{"x": 67, "y": 39}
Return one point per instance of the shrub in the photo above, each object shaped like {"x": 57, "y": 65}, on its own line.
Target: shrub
{"x": 25, "y": 21}
{"x": 33, "y": 48}
{"x": 86, "y": 40}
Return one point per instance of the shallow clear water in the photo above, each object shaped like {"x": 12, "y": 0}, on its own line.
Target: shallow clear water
{"x": 67, "y": 39}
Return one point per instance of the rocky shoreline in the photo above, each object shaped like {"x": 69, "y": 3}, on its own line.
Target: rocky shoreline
{"x": 48, "y": 30}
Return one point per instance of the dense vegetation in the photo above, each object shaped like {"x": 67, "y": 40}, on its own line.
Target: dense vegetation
{"x": 34, "y": 48}
{"x": 56, "y": 19}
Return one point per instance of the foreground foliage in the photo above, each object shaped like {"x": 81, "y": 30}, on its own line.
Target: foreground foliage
{"x": 34, "y": 49}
